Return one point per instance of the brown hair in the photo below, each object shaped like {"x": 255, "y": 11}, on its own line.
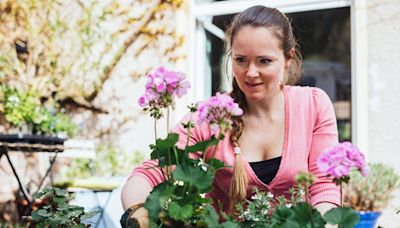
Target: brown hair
{"x": 257, "y": 16}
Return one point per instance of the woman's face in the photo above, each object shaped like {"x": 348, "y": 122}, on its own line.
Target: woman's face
{"x": 258, "y": 62}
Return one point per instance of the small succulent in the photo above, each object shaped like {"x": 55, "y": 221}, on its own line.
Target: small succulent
{"x": 371, "y": 193}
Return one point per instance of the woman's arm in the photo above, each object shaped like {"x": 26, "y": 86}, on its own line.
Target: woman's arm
{"x": 324, "y": 207}
{"x": 325, "y": 135}
{"x": 135, "y": 191}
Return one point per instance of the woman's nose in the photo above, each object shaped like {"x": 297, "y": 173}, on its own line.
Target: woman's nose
{"x": 252, "y": 71}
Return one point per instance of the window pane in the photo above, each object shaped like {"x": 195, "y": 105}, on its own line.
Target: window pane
{"x": 324, "y": 38}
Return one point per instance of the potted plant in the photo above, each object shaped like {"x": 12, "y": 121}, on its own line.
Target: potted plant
{"x": 25, "y": 111}
{"x": 180, "y": 201}
{"x": 266, "y": 210}
{"x": 370, "y": 195}
{"x": 51, "y": 209}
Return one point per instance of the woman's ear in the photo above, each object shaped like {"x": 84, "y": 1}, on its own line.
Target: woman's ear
{"x": 288, "y": 61}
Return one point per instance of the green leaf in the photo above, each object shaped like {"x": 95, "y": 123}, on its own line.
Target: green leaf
{"x": 38, "y": 195}
{"x": 201, "y": 200}
{"x": 216, "y": 164}
{"x": 305, "y": 214}
{"x": 211, "y": 217}
{"x": 91, "y": 214}
{"x": 169, "y": 142}
{"x": 228, "y": 224}
{"x": 292, "y": 224}
{"x": 202, "y": 145}
{"x": 36, "y": 216}
{"x": 164, "y": 151}
{"x": 281, "y": 214}
{"x": 342, "y": 216}
{"x": 78, "y": 226}
{"x": 60, "y": 192}
{"x": 157, "y": 199}
{"x": 43, "y": 213}
{"x": 195, "y": 176}
{"x": 60, "y": 200}
{"x": 179, "y": 212}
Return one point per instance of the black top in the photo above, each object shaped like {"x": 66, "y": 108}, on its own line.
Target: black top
{"x": 266, "y": 170}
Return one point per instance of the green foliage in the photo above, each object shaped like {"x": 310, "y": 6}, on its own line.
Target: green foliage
{"x": 179, "y": 200}
{"x": 306, "y": 216}
{"x": 202, "y": 145}
{"x": 258, "y": 209}
{"x": 194, "y": 176}
{"x": 54, "y": 211}
{"x": 67, "y": 48}
{"x": 158, "y": 198}
{"x": 22, "y": 108}
{"x": 19, "y": 107}
{"x": 110, "y": 160}
{"x": 371, "y": 193}
{"x": 165, "y": 150}
{"x": 345, "y": 217}
{"x": 179, "y": 212}
{"x": 265, "y": 210}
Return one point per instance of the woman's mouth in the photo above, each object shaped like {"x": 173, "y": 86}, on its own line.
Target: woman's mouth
{"x": 252, "y": 84}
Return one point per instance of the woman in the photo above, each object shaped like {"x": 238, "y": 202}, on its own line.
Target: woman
{"x": 283, "y": 129}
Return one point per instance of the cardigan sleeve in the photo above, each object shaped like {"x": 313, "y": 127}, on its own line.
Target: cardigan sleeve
{"x": 149, "y": 170}
{"x": 324, "y": 135}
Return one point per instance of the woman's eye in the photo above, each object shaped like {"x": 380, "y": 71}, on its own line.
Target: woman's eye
{"x": 240, "y": 60}
{"x": 265, "y": 61}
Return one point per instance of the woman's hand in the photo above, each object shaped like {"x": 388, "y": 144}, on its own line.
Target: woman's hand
{"x": 136, "y": 216}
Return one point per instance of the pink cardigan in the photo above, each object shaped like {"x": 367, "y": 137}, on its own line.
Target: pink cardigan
{"x": 310, "y": 127}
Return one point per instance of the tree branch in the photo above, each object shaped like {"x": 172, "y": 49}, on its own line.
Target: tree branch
{"x": 129, "y": 41}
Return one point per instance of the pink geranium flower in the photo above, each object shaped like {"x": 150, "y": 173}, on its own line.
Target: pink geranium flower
{"x": 217, "y": 112}
{"x": 161, "y": 89}
{"x": 339, "y": 160}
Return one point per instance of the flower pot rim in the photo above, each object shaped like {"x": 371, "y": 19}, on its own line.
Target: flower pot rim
{"x": 369, "y": 212}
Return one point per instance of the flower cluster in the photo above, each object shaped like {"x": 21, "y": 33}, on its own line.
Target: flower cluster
{"x": 259, "y": 209}
{"x": 340, "y": 159}
{"x": 161, "y": 89}
{"x": 217, "y": 112}
{"x": 263, "y": 204}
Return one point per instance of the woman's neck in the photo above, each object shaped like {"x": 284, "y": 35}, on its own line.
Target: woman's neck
{"x": 269, "y": 107}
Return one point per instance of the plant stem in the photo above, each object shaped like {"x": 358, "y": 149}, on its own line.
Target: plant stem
{"x": 341, "y": 198}
{"x": 341, "y": 194}
{"x": 158, "y": 153}
{"x": 306, "y": 192}
{"x": 188, "y": 130}
{"x": 308, "y": 203}
{"x": 176, "y": 156}
{"x": 169, "y": 154}
{"x": 155, "y": 129}
{"x": 215, "y": 150}
{"x": 169, "y": 166}
{"x": 167, "y": 120}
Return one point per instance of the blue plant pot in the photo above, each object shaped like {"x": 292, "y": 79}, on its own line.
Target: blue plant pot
{"x": 368, "y": 219}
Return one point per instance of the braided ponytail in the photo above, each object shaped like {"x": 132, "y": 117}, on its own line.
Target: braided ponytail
{"x": 238, "y": 188}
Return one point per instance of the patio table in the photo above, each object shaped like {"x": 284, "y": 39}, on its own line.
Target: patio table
{"x": 21, "y": 143}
